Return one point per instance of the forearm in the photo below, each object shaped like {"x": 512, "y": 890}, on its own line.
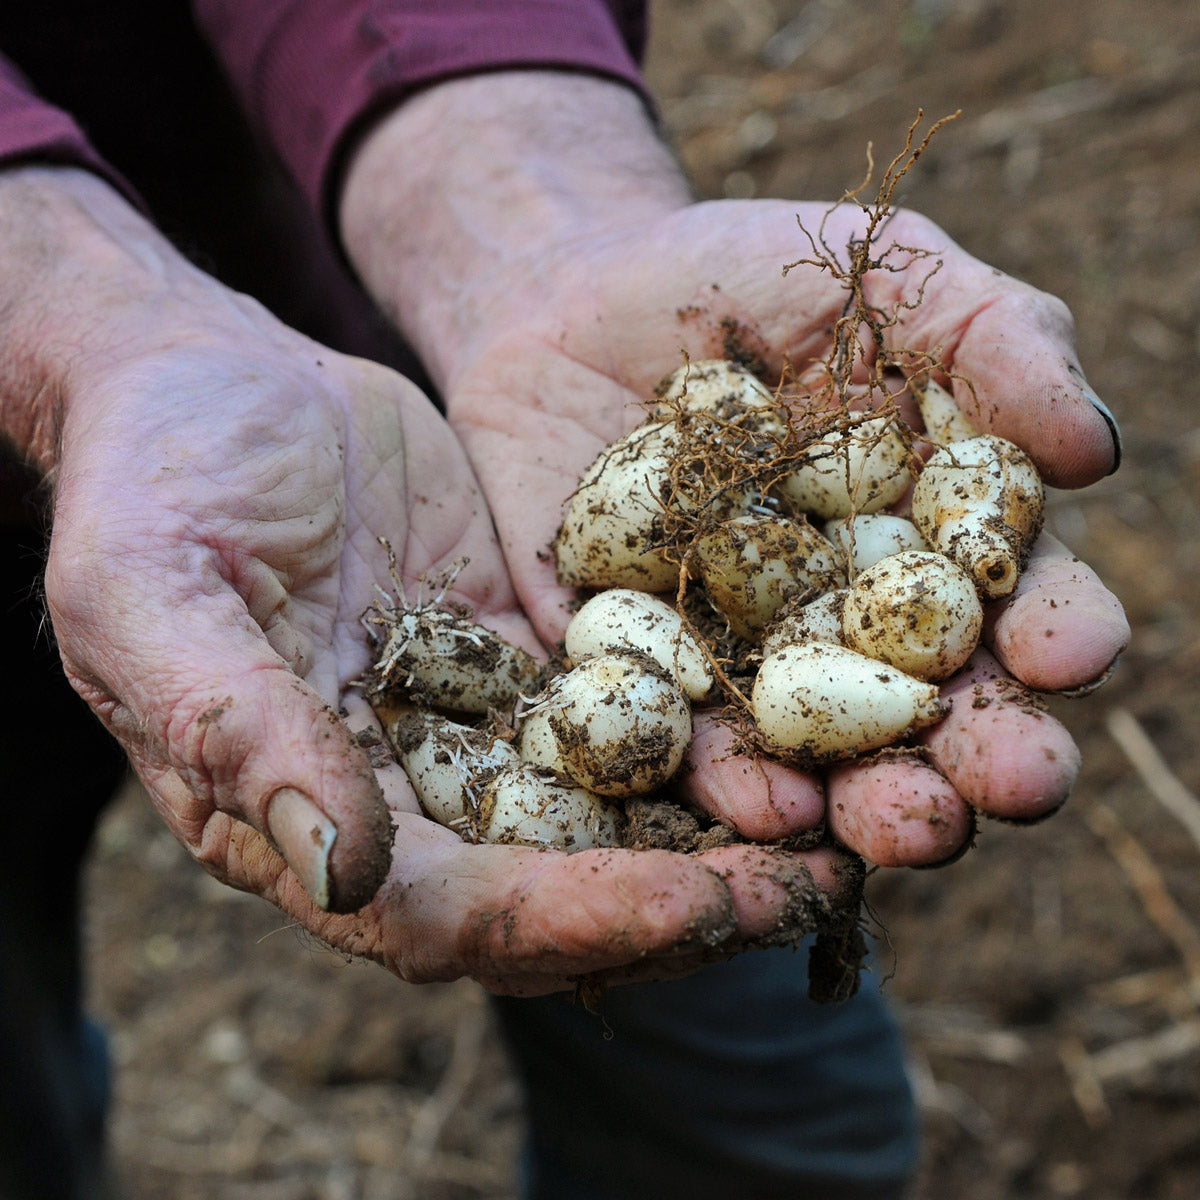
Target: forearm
{"x": 451, "y": 190}
{"x": 83, "y": 270}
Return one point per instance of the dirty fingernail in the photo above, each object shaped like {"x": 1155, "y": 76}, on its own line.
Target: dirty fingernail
{"x": 304, "y": 836}
{"x": 1113, "y": 427}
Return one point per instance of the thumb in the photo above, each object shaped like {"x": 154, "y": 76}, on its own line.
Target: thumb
{"x": 207, "y": 703}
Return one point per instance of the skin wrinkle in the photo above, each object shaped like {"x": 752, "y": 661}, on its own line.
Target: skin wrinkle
{"x": 43, "y": 438}
{"x": 194, "y": 721}
{"x": 200, "y": 634}
{"x": 182, "y": 811}
{"x": 220, "y": 847}
{"x": 254, "y": 783}
{"x": 233, "y": 565}
{"x": 499, "y": 932}
{"x": 293, "y": 621}
{"x": 94, "y": 682}
{"x": 418, "y": 587}
{"x": 804, "y": 338}
{"x": 167, "y": 547}
{"x": 241, "y": 854}
{"x": 295, "y": 648}
{"x": 358, "y": 547}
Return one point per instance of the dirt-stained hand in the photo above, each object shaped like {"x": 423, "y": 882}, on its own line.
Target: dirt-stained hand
{"x": 548, "y": 313}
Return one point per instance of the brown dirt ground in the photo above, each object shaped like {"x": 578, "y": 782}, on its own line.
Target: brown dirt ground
{"x": 1049, "y": 982}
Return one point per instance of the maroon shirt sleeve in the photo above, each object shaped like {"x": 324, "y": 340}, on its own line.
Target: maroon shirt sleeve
{"x": 32, "y": 130}
{"x": 311, "y": 72}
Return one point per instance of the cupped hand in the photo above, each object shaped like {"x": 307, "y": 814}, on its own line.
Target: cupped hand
{"x": 213, "y": 547}
{"x": 571, "y": 339}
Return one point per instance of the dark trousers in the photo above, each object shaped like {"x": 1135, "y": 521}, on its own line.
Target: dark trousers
{"x": 57, "y": 769}
{"x": 730, "y": 1083}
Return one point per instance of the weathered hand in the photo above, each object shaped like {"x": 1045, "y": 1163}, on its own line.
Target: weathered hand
{"x": 212, "y": 551}
{"x": 559, "y": 329}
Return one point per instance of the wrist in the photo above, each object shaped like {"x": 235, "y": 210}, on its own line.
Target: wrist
{"x": 88, "y": 283}
{"x": 450, "y": 199}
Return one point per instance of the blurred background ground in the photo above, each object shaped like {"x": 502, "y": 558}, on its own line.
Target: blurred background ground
{"x": 1049, "y": 982}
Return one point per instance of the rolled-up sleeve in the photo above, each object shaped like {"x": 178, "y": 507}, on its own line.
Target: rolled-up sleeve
{"x": 311, "y": 72}
{"x": 32, "y": 130}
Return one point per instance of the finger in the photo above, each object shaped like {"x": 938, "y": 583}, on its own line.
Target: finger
{"x": 451, "y": 908}
{"x": 503, "y": 912}
{"x": 779, "y": 897}
{"x": 761, "y": 799}
{"x": 525, "y": 922}
{"x": 1010, "y": 349}
{"x": 230, "y": 851}
{"x": 1002, "y": 752}
{"x": 782, "y": 896}
{"x": 897, "y": 811}
{"x": 487, "y": 913}
{"x": 368, "y": 732}
{"x": 1061, "y": 629}
{"x": 241, "y": 857}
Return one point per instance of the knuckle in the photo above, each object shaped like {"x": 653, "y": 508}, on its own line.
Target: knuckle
{"x": 202, "y": 731}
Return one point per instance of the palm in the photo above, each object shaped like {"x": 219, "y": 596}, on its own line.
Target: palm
{"x": 585, "y": 336}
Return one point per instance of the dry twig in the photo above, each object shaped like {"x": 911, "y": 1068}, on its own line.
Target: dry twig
{"x": 1152, "y": 769}
{"x": 1089, "y": 1072}
{"x": 1135, "y": 860}
{"x": 1086, "y": 1086}
{"x": 1167, "y": 987}
{"x": 431, "y": 1118}
{"x": 1137, "y": 1055}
